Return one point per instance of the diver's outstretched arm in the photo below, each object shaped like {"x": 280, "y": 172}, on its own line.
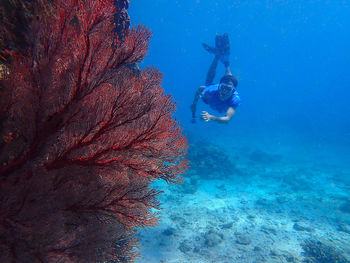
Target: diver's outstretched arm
{"x": 195, "y": 101}
{"x": 224, "y": 119}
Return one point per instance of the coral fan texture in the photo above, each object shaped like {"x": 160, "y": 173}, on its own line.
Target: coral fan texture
{"x": 81, "y": 139}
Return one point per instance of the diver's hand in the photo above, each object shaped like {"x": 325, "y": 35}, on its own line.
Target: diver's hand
{"x": 206, "y": 116}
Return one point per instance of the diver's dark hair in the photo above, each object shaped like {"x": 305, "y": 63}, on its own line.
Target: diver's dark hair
{"x": 229, "y": 78}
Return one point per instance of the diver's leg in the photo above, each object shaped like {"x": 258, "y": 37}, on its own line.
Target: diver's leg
{"x": 212, "y": 71}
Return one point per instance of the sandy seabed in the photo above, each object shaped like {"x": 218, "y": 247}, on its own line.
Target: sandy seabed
{"x": 268, "y": 211}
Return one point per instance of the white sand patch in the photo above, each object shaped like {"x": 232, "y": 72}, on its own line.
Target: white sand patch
{"x": 261, "y": 215}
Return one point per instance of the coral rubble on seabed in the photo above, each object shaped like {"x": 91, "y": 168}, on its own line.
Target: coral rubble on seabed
{"x": 281, "y": 212}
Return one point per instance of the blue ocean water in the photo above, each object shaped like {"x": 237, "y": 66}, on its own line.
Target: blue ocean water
{"x": 273, "y": 185}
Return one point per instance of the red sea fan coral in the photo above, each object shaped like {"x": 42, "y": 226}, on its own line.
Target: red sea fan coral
{"x": 82, "y": 138}
{"x": 15, "y": 17}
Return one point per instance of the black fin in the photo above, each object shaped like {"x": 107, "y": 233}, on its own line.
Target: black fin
{"x": 209, "y": 49}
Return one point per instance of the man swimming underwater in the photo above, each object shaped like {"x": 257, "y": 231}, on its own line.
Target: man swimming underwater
{"x": 221, "y": 97}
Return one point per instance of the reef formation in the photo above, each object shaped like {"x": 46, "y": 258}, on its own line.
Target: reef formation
{"x": 82, "y": 135}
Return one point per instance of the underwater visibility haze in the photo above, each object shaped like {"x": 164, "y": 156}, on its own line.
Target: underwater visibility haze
{"x": 102, "y": 160}
{"x": 272, "y": 185}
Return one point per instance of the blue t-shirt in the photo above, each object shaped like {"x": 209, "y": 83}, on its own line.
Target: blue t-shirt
{"x": 210, "y": 96}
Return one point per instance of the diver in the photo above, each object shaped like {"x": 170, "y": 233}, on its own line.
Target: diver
{"x": 221, "y": 97}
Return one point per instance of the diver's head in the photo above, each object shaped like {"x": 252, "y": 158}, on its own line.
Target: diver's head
{"x": 227, "y": 87}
